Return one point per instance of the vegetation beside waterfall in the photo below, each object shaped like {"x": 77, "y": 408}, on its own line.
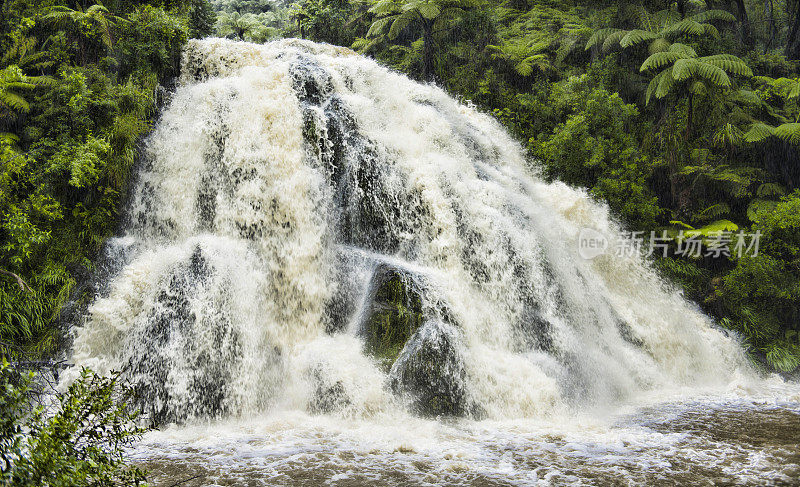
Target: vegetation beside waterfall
{"x": 79, "y": 86}
{"x": 80, "y": 83}
{"x": 76, "y": 438}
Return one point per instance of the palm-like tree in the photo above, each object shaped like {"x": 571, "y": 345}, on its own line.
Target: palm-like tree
{"x": 236, "y": 25}
{"x": 684, "y": 73}
{"x": 85, "y": 26}
{"x": 660, "y": 29}
{"x": 433, "y": 16}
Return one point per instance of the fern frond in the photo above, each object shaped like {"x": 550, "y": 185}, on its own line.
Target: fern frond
{"x": 428, "y": 10}
{"x": 758, "y": 132}
{"x": 400, "y": 23}
{"x": 13, "y": 101}
{"x": 637, "y": 36}
{"x": 729, "y": 63}
{"x": 679, "y": 48}
{"x": 379, "y": 25}
{"x": 599, "y": 36}
{"x": 384, "y": 7}
{"x": 684, "y": 69}
{"x": 659, "y": 45}
{"x": 660, "y": 59}
{"x": 728, "y": 134}
{"x": 713, "y": 15}
{"x": 716, "y": 210}
{"x": 685, "y": 27}
{"x": 789, "y": 132}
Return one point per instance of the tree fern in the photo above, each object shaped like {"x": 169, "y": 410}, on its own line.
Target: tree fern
{"x": 758, "y": 132}
{"x": 789, "y": 132}
{"x": 659, "y": 29}
{"x": 683, "y": 65}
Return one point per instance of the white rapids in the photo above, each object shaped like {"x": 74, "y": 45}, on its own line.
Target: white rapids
{"x": 278, "y": 179}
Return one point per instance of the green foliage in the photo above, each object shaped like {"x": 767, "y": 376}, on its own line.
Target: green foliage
{"x": 595, "y": 148}
{"x": 77, "y": 91}
{"x": 762, "y": 293}
{"x": 244, "y": 6}
{"x": 78, "y": 442}
{"x": 201, "y": 19}
{"x": 699, "y": 75}
{"x": 12, "y": 85}
{"x": 251, "y": 27}
{"x": 431, "y": 18}
{"x": 325, "y": 20}
{"x": 659, "y": 29}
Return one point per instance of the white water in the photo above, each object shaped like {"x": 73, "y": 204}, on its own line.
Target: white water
{"x": 277, "y": 180}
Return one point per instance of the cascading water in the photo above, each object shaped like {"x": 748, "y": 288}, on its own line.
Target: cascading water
{"x": 285, "y": 183}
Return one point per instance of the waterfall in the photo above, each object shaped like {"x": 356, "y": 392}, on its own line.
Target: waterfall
{"x": 289, "y": 188}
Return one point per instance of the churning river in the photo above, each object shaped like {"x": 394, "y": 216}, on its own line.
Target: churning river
{"x": 284, "y": 185}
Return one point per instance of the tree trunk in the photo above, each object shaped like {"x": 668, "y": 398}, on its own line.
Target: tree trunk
{"x": 769, "y": 11}
{"x": 427, "y": 51}
{"x": 22, "y": 284}
{"x": 744, "y": 21}
{"x": 689, "y": 110}
{"x": 791, "y": 40}
{"x": 682, "y": 8}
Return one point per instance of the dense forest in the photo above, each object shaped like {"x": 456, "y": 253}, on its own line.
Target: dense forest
{"x": 682, "y": 116}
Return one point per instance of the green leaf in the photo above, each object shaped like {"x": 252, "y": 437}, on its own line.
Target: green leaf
{"x": 660, "y": 59}
{"x": 758, "y": 207}
{"x": 429, "y": 10}
{"x": 789, "y": 132}
{"x": 758, "y": 132}
{"x": 637, "y": 36}
{"x": 400, "y": 23}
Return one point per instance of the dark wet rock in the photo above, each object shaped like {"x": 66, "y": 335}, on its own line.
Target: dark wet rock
{"x": 328, "y": 395}
{"x": 394, "y": 312}
{"x": 430, "y": 371}
{"x": 310, "y": 81}
{"x": 178, "y": 342}
{"x": 375, "y": 207}
{"x": 417, "y": 344}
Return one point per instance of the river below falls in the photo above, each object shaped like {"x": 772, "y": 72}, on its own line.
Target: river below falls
{"x": 702, "y": 441}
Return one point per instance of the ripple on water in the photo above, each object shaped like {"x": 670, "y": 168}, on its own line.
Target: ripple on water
{"x": 736, "y": 443}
